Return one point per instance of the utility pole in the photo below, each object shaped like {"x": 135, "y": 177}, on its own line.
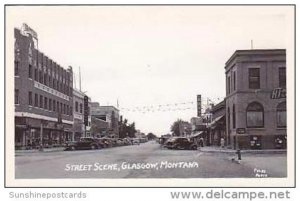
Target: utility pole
{"x": 251, "y": 44}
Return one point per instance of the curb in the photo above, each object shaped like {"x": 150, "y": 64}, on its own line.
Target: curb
{"x": 246, "y": 151}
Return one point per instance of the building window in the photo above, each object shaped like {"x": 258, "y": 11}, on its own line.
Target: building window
{"x": 16, "y": 96}
{"x": 282, "y": 77}
{"x": 36, "y": 100}
{"x": 71, "y": 111}
{"x": 255, "y": 115}
{"x": 41, "y": 101}
{"x": 234, "y": 81}
{"x": 80, "y": 108}
{"x": 233, "y": 116}
{"x": 41, "y": 77}
{"x": 16, "y": 67}
{"x": 30, "y": 71}
{"x": 54, "y": 105}
{"x": 50, "y": 104}
{"x": 65, "y": 109}
{"x": 30, "y": 98}
{"x": 254, "y": 78}
{"x": 35, "y": 74}
{"x": 61, "y": 108}
{"x": 228, "y": 85}
{"x": 57, "y": 106}
{"x": 281, "y": 115}
{"x": 76, "y": 106}
{"x": 46, "y": 103}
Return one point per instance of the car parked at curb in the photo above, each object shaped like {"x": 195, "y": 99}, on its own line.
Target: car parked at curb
{"x": 180, "y": 143}
{"x": 83, "y": 143}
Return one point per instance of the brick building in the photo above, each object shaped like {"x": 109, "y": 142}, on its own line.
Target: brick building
{"x": 109, "y": 114}
{"x": 255, "y": 99}
{"x": 79, "y": 128}
{"x": 43, "y": 94}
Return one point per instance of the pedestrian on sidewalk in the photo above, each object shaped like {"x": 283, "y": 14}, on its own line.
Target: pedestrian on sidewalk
{"x": 222, "y": 143}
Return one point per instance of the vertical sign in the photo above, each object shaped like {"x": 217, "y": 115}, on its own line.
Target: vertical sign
{"x": 86, "y": 110}
{"x": 199, "y": 105}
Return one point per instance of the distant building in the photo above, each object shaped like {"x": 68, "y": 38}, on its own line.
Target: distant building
{"x": 109, "y": 114}
{"x": 99, "y": 127}
{"x": 256, "y": 99}
{"x": 79, "y": 128}
{"x": 43, "y": 94}
{"x": 217, "y": 127}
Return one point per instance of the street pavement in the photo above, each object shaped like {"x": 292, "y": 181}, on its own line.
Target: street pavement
{"x": 147, "y": 160}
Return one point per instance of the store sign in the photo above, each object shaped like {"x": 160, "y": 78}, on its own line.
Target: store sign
{"x": 240, "y": 130}
{"x": 278, "y": 93}
{"x": 86, "y": 110}
{"x": 199, "y": 105}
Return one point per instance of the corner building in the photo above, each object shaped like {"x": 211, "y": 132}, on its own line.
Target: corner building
{"x": 255, "y": 99}
{"x": 43, "y": 95}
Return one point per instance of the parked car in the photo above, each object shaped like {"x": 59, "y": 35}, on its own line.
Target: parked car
{"x": 136, "y": 141}
{"x": 180, "y": 143}
{"x": 83, "y": 143}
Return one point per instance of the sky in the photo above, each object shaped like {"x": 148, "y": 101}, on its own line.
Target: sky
{"x": 152, "y": 61}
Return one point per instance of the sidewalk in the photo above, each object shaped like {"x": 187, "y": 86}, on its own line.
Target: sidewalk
{"x": 215, "y": 149}
{"x": 54, "y": 149}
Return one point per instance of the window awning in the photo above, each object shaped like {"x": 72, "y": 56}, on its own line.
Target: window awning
{"x": 215, "y": 121}
{"x": 197, "y": 134}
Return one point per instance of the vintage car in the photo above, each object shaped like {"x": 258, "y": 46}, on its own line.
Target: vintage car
{"x": 180, "y": 143}
{"x": 83, "y": 143}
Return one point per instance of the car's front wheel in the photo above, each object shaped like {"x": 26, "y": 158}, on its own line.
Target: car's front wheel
{"x": 194, "y": 147}
{"x": 93, "y": 147}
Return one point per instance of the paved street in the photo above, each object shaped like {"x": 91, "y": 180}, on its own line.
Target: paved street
{"x": 146, "y": 160}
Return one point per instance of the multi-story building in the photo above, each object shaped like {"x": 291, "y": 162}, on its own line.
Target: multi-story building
{"x": 255, "y": 99}
{"x": 109, "y": 114}
{"x": 43, "y": 94}
{"x": 79, "y": 128}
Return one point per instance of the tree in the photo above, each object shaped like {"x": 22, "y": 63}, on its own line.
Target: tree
{"x": 126, "y": 130}
{"x": 151, "y": 136}
{"x": 181, "y": 128}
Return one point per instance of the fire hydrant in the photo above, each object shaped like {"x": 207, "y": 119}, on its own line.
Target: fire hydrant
{"x": 238, "y": 152}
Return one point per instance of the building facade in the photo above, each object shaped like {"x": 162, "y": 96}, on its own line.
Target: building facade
{"x": 217, "y": 125}
{"x": 43, "y": 94}
{"x": 79, "y": 128}
{"x": 255, "y": 99}
{"x": 109, "y": 114}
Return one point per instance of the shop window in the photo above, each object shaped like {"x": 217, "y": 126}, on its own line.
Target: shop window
{"x": 254, "y": 78}
{"x": 281, "y": 115}
{"x": 282, "y": 77}
{"x": 16, "y": 96}
{"x": 255, "y": 115}
{"x": 255, "y": 142}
